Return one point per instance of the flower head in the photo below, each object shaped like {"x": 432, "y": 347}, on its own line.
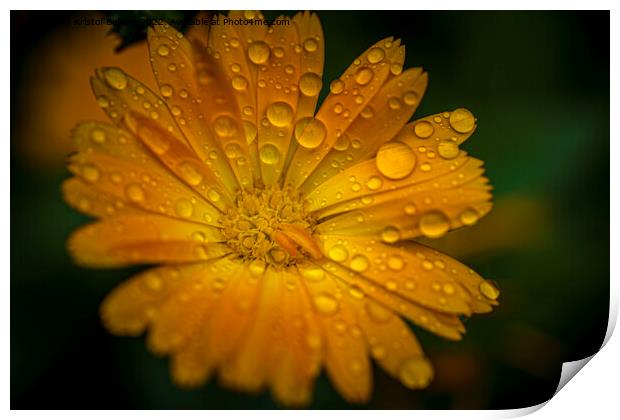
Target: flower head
{"x": 281, "y": 237}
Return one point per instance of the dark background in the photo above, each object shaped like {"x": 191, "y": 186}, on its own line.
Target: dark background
{"x": 538, "y": 83}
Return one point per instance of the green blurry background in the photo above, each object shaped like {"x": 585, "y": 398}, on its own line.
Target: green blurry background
{"x": 538, "y": 83}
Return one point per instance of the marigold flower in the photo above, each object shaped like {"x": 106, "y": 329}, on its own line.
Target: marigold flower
{"x": 281, "y": 236}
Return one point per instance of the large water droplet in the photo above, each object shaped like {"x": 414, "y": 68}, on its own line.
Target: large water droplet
{"x": 395, "y": 160}
{"x": 488, "y": 290}
{"x": 190, "y": 173}
{"x": 434, "y": 224}
{"x": 448, "y": 149}
{"x": 423, "y": 129}
{"x": 90, "y": 172}
{"x": 163, "y": 50}
{"x": 269, "y": 154}
{"x": 364, "y": 75}
{"x": 416, "y": 373}
{"x": 183, "y": 207}
{"x": 250, "y": 131}
{"x": 311, "y": 45}
{"x": 336, "y": 86}
{"x": 338, "y": 253}
{"x": 166, "y": 91}
{"x": 376, "y": 55}
{"x": 310, "y": 132}
{"x": 258, "y": 52}
{"x": 359, "y": 263}
{"x": 239, "y": 82}
{"x": 225, "y": 126}
{"x": 280, "y": 114}
{"x": 390, "y": 234}
{"x": 134, "y": 193}
{"x": 469, "y": 217}
{"x": 310, "y": 84}
{"x": 115, "y": 78}
{"x": 326, "y": 304}
{"x": 462, "y": 121}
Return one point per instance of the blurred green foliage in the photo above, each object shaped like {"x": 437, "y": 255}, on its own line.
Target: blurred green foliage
{"x": 538, "y": 83}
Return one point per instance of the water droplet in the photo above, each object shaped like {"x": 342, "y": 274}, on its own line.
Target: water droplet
{"x": 367, "y": 112}
{"x": 356, "y": 292}
{"x": 233, "y": 150}
{"x": 416, "y": 373}
{"x": 153, "y": 283}
{"x": 166, "y": 91}
{"x": 396, "y": 263}
{"x": 396, "y": 69}
{"x": 469, "y": 217}
{"x": 326, "y": 304}
{"x": 190, "y": 173}
{"x": 250, "y": 131}
{"x": 258, "y": 52}
{"x": 239, "y": 82}
{"x": 90, "y": 172}
{"x": 278, "y": 52}
{"x": 163, "y": 50}
{"x": 183, "y": 207}
{"x": 313, "y": 273}
{"x": 213, "y": 195}
{"x": 311, "y": 45}
{"x": 448, "y": 149}
{"x": 462, "y": 121}
{"x": 410, "y": 98}
{"x": 374, "y": 183}
{"x": 115, "y": 78}
{"x": 434, "y": 224}
{"x": 488, "y": 290}
{"x": 390, "y": 234}
{"x": 378, "y": 312}
{"x": 134, "y": 193}
{"x": 342, "y": 143}
{"x": 280, "y": 114}
{"x": 338, "y": 253}
{"x": 310, "y": 84}
{"x": 376, "y": 55}
{"x": 98, "y": 136}
{"x": 336, "y": 86}
{"x": 310, "y": 132}
{"x": 410, "y": 209}
{"x": 225, "y": 126}
{"x": 103, "y": 101}
{"x": 359, "y": 263}
{"x": 423, "y": 129}
{"x": 364, "y": 75}
{"x": 200, "y": 252}
{"x": 395, "y": 160}
{"x": 448, "y": 289}
{"x": 394, "y": 103}
{"x": 269, "y": 154}
{"x": 378, "y": 352}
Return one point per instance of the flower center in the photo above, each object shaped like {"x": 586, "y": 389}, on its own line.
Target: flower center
{"x": 270, "y": 224}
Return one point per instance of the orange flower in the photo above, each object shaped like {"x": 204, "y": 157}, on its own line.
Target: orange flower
{"x": 280, "y": 235}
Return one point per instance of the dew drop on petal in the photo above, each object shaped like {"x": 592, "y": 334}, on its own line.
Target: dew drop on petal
{"x": 166, "y": 91}
{"x": 376, "y": 55}
{"x": 448, "y": 149}
{"x": 239, "y": 82}
{"x": 310, "y": 132}
{"x": 338, "y": 253}
{"x": 423, "y": 129}
{"x": 410, "y": 98}
{"x": 90, "y": 172}
{"x": 395, "y": 263}
{"x": 258, "y": 52}
{"x": 336, "y": 86}
{"x": 313, "y": 273}
{"x": 280, "y": 114}
{"x": 359, "y": 263}
{"x": 378, "y": 312}
{"x": 395, "y": 160}
{"x": 462, "y": 121}
{"x": 311, "y": 45}
{"x": 364, "y": 75}
{"x": 269, "y": 154}
{"x": 134, "y": 193}
{"x": 183, "y": 207}
{"x": 390, "y": 234}
{"x": 434, "y": 224}
{"x": 163, "y": 50}
{"x": 190, "y": 173}
{"x": 225, "y": 126}
{"x": 98, "y": 136}
{"x": 310, "y": 84}
{"x": 415, "y": 373}
{"x": 326, "y": 304}
{"x": 115, "y": 78}
{"x": 488, "y": 290}
{"x": 469, "y": 217}
{"x": 374, "y": 183}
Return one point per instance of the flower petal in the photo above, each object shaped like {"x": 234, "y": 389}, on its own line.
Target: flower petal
{"x": 203, "y": 103}
{"x": 144, "y": 238}
{"x": 349, "y": 96}
{"x": 446, "y": 325}
{"x": 113, "y": 162}
{"x": 346, "y": 357}
{"x": 381, "y": 120}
